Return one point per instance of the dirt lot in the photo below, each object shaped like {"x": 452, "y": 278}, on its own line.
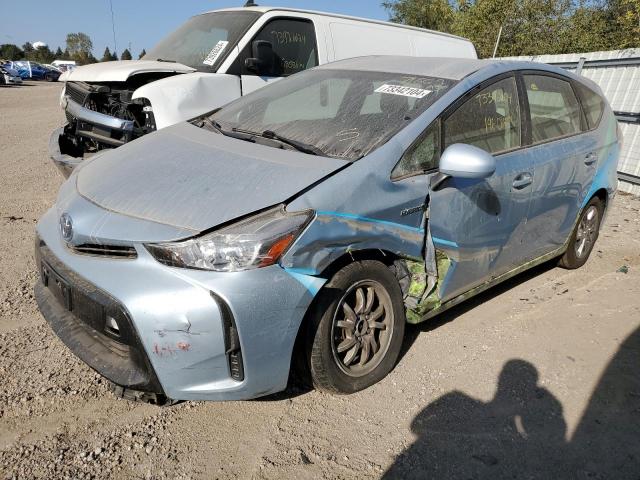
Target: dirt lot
{"x": 538, "y": 378}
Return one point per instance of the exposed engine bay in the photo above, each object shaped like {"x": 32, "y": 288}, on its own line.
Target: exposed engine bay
{"x": 104, "y": 115}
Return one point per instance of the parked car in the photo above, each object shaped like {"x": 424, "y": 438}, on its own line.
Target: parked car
{"x": 212, "y": 59}
{"x": 34, "y": 71}
{"x": 8, "y": 76}
{"x": 324, "y": 211}
{"x": 64, "y": 65}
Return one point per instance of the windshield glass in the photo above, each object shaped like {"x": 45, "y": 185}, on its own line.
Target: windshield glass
{"x": 343, "y": 113}
{"x": 204, "y": 41}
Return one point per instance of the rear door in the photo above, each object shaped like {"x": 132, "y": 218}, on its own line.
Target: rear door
{"x": 564, "y": 159}
{"x": 294, "y": 47}
{"x": 480, "y": 223}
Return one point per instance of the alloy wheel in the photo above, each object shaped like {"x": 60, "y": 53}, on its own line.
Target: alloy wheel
{"x": 587, "y": 232}
{"x": 362, "y": 328}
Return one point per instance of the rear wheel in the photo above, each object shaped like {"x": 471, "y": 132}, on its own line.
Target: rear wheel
{"x": 357, "y": 328}
{"x": 584, "y": 235}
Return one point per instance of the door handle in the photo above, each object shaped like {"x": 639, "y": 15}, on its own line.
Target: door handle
{"x": 590, "y": 158}
{"x": 522, "y": 180}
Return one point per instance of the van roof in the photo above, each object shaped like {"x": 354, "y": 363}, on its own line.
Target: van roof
{"x": 261, "y": 9}
{"x": 439, "y": 67}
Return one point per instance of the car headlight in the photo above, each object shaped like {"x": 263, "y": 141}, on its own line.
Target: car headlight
{"x": 256, "y": 242}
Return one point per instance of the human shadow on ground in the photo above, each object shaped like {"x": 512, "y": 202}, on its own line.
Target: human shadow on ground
{"x": 521, "y": 433}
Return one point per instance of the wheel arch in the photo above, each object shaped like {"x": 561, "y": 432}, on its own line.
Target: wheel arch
{"x": 296, "y": 367}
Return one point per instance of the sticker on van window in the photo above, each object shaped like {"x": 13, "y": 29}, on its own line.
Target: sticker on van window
{"x": 404, "y": 91}
{"x": 215, "y": 53}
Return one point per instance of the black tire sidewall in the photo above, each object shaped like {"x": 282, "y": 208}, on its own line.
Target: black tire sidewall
{"x": 325, "y": 373}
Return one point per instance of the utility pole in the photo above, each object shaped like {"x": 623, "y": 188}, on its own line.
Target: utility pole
{"x": 113, "y": 27}
{"x": 495, "y": 49}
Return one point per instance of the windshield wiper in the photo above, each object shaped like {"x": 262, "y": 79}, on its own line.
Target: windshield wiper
{"x": 300, "y": 146}
{"x": 215, "y": 126}
{"x": 165, "y": 60}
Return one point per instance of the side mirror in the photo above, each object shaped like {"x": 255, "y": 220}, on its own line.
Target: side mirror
{"x": 466, "y": 161}
{"x": 263, "y": 60}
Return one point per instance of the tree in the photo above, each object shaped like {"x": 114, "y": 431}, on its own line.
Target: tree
{"x": 41, "y": 54}
{"x": 126, "y": 55}
{"x": 9, "y": 51}
{"x": 432, "y": 14}
{"x": 80, "y": 46}
{"x": 59, "y": 54}
{"x": 114, "y": 56}
{"x": 27, "y": 48}
{"x": 106, "y": 56}
{"x": 142, "y": 54}
{"x": 626, "y": 21}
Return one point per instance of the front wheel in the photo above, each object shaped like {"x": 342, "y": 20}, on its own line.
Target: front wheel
{"x": 584, "y": 235}
{"x": 357, "y": 328}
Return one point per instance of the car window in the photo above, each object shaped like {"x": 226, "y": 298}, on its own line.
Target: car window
{"x": 489, "y": 120}
{"x": 294, "y": 45}
{"x": 422, "y": 156}
{"x": 554, "y": 109}
{"x": 592, "y": 105}
{"x": 324, "y": 108}
{"x": 321, "y": 100}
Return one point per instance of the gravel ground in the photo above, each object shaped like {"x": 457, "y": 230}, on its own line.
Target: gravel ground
{"x": 537, "y": 378}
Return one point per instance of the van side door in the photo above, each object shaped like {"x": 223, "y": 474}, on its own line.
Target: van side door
{"x": 282, "y": 47}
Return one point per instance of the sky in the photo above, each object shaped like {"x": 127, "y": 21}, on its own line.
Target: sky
{"x": 138, "y": 23}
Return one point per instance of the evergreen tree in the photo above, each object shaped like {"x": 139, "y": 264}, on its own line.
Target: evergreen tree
{"x": 142, "y": 54}
{"x": 106, "y": 56}
{"x": 126, "y": 55}
{"x": 114, "y": 56}
{"x": 59, "y": 54}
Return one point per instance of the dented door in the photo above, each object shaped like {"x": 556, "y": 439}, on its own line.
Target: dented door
{"x": 480, "y": 224}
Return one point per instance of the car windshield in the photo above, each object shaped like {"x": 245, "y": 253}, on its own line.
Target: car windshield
{"x": 204, "y": 41}
{"x": 340, "y": 113}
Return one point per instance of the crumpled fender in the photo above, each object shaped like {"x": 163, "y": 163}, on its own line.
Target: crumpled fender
{"x": 183, "y": 97}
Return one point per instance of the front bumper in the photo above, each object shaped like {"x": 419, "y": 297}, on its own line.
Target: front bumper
{"x": 178, "y": 319}
{"x": 64, "y": 162}
{"x": 11, "y": 80}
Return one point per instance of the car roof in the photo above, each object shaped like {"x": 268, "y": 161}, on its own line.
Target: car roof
{"x": 438, "y": 67}
{"x": 265, "y": 9}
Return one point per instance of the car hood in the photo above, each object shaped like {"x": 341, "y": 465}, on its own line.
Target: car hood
{"x": 192, "y": 178}
{"x": 120, "y": 71}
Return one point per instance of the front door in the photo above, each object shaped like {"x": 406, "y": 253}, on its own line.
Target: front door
{"x": 480, "y": 224}
{"x": 294, "y": 49}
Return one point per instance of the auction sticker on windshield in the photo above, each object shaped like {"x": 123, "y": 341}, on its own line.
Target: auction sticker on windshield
{"x": 215, "y": 52}
{"x": 404, "y": 91}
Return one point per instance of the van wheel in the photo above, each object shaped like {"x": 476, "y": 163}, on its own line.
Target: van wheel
{"x": 584, "y": 236}
{"x": 356, "y": 331}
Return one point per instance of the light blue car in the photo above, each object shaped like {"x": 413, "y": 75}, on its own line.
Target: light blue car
{"x": 304, "y": 224}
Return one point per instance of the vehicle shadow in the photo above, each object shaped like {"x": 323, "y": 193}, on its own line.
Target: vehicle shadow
{"x": 521, "y": 432}
{"x": 412, "y": 332}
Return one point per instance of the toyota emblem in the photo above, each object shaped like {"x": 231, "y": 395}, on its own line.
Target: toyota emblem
{"x": 66, "y": 227}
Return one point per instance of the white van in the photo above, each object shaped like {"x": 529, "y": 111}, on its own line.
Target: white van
{"x": 214, "y": 58}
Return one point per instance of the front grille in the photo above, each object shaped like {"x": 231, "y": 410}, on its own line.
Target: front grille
{"x": 114, "y": 251}
{"x": 76, "y": 92}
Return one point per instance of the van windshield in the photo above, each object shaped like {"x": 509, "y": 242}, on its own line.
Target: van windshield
{"x": 341, "y": 113}
{"x": 204, "y": 41}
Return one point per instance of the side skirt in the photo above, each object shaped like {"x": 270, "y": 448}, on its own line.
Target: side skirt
{"x": 491, "y": 283}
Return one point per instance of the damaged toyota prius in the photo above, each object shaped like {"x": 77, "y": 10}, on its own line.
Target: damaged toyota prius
{"x": 323, "y": 212}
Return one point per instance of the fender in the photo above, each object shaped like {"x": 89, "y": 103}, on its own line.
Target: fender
{"x": 183, "y": 97}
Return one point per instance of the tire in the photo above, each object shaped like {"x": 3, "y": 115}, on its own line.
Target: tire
{"x": 338, "y": 338}
{"x": 48, "y": 77}
{"x": 584, "y": 236}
